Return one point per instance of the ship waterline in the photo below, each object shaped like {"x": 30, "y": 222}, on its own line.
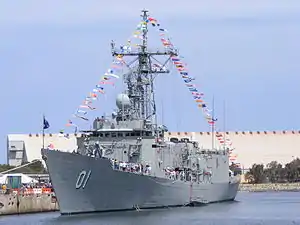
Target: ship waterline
{"x": 85, "y": 184}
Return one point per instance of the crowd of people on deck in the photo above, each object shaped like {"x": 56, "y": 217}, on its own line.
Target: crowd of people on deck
{"x": 131, "y": 167}
{"x": 174, "y": 173}
{"x": 185, "y": 174}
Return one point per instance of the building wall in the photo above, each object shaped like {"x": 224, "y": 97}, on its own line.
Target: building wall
{"x": 250, "y": 147}
{"x": 253, "y": 147}
{"x": 33, "y": 144}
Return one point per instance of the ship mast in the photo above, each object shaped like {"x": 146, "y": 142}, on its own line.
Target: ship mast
{"x": 140, "y": 79}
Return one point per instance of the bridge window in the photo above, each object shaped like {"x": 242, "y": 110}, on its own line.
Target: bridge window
{"x": 127, "y": 134}
{"x": 174, "y": 140}
{"x": 106, "y": 135}
{"x": 113, "y": 135}
{"x": 137, "y": 133}
{"x": 146, "y": 133}
{"x": 101, "y": 135}
{"x": 120, "y": 134}
{"x": 185, "y": 140}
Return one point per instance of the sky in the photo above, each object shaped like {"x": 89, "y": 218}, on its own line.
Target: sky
{"x": 244, "y": 54}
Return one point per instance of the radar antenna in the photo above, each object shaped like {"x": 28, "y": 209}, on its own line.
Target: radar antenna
{"x": 140, "y": 78}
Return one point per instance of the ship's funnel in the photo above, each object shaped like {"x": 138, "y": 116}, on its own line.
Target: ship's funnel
{"x": 123, "y": 101}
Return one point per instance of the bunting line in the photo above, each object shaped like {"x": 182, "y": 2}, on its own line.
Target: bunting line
{"x": 108, "y": 78}
{"x": 196, "y": 94}
{"x": 118, "y": 64}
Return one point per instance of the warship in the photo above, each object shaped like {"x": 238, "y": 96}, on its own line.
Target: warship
{"x": 125, "y": 162}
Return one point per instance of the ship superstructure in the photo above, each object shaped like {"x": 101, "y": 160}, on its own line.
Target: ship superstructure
{"x": 124, "y": 162}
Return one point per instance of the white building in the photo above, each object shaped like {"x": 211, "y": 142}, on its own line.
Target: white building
{"x": 25, "y": 179}
{"x": 250, "y": 147}
{"x": 27, "y": 147}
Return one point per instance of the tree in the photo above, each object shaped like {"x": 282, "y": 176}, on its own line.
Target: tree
{"x": 235, "y": 168}
{"x": 274, "y": 172}
{"x": 36, "y": 167}
{"x": 4, "y": 167}
{"x": 257, "y": 171}
{"x": 292, "y": 170}
{"x": 249, "y": 178}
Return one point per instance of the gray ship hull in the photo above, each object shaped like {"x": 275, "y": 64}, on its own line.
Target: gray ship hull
{"x": 100, "y": 188}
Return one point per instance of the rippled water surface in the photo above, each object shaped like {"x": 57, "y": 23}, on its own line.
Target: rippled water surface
{"x": 249, "y": 208}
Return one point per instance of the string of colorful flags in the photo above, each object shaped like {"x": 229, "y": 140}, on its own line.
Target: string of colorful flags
{"x": 108, "y": 78}
{"x": 196, "y": 94}
{"x": 119, "y": 64}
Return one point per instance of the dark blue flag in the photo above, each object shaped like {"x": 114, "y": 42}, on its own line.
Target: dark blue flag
{"x": 46, "y": 124}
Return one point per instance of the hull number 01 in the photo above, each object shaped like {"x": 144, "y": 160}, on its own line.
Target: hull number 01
{"x": 82, "y": 179}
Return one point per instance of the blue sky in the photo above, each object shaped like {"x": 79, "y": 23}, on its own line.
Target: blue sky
{"x": 247, "y": 53}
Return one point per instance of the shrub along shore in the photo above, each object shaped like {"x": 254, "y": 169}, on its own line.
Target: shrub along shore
{"x": 270, "y": 187}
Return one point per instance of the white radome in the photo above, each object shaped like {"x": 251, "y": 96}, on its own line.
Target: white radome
{"x": 123, "y": 101}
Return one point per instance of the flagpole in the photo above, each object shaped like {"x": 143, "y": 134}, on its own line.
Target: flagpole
{"x": 213, "y": 123}
{"x": 224, "y": 123}
{"x": 43, "y": 131}
{"x": 75, "y": 131}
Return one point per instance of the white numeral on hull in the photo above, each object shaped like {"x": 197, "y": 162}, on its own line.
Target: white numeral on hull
{"x": 82, "y": 179}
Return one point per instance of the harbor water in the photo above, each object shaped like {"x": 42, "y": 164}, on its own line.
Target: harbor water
{"x": 271, "y": 208}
